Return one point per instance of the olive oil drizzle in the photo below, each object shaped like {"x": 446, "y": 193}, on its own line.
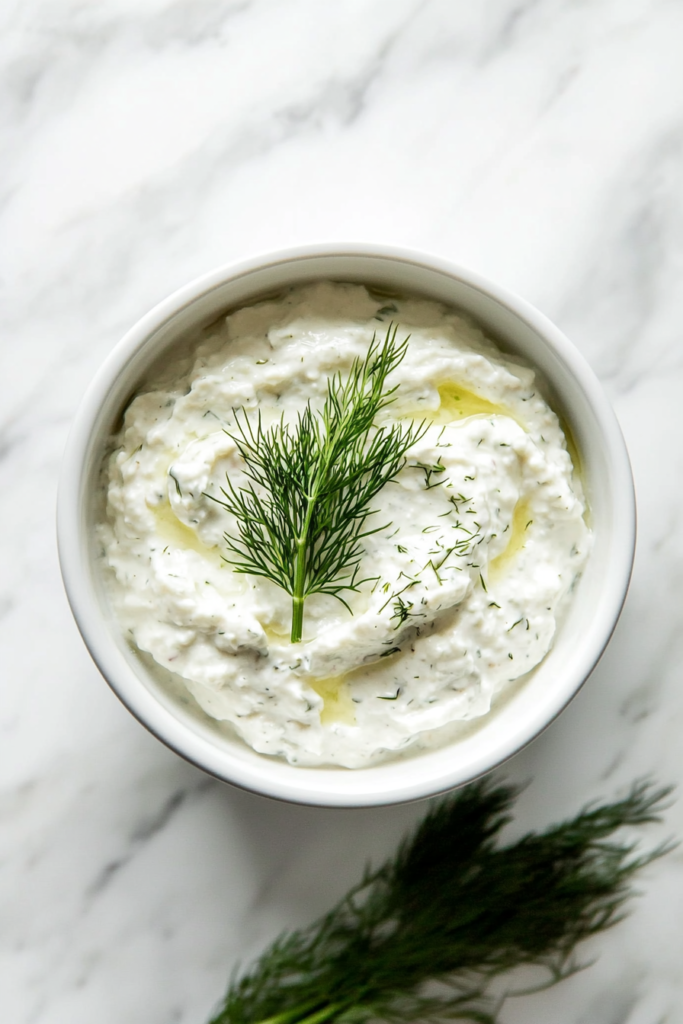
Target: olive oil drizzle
{"x": 177, "y": 534}
{"x": 459, "y": 403}
{"x": 337, "y": 703}
{"x": 522, "y": 519}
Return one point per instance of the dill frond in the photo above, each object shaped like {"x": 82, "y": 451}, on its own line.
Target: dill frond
{"x": 422, "y": 937}
{"x": 304, "y": 512}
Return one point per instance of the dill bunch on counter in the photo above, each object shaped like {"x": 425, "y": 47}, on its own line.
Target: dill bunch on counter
{"x": 423, "y": 937}
{"x": 302, "y": 517}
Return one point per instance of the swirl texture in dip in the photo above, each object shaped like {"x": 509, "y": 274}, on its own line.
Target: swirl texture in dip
{"x": 485, "y": 533}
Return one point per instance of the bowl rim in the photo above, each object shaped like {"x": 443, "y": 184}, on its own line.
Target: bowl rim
{"x": 271, "y": 780}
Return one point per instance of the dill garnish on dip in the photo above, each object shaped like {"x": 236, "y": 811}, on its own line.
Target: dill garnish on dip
{"x": 352, "y": 522}
{"x": 301, "y": 518}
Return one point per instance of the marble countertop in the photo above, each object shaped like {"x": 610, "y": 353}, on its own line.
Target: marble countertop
{"x": 540, "y": 144}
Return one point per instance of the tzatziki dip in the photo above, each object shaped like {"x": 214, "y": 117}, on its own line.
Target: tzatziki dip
{"x": 469, "y": 554}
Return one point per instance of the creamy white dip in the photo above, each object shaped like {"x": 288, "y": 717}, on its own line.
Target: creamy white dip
{"x": 487, "y": 533}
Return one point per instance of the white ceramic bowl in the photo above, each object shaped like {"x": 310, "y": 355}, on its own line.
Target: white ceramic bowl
{"x": 575, "y": 395}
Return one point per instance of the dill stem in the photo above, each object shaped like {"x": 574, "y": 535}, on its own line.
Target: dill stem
{"x": 313, "y": 1018}
{"x": 281, "y": 1018}
{"x": 324, "y": 1014}
{"x": 287, "y": 1015}
{"x": 298, "y": 591}
{"x": 298, "y": 594}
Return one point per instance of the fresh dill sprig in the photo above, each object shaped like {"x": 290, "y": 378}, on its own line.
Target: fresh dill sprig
{"x": 422, "y": 937}
{"x": 302, "y": 516}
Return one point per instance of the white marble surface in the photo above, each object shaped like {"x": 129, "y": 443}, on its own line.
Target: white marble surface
{"x": 540, "y": 143}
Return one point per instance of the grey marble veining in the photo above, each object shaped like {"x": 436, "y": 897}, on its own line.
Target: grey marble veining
{"x": 540, "y": 143}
